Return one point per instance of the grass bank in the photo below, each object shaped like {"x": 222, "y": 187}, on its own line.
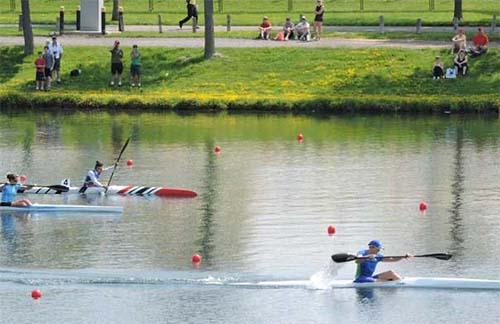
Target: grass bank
{"x": 268, "y": 79}
{"x": 249, "y": 12}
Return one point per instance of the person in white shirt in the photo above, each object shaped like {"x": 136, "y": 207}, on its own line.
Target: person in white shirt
{"x": 303, "y": 29}
{"x": 57, "y": 50}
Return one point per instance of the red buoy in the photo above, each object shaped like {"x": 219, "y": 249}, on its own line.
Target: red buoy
{"x": 217, "y": 149}
{"x": 196, "y": 258}
{"x": 23, "y": 179}
{"x": 130, "y": 162}
{"x": 300, "y": 137}
{"x": 422, "y": 206}
{"x": 35, "y": 294}
{"x": 331, "y": 230}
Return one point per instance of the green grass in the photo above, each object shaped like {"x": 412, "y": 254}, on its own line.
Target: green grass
{"x": 427, "y": 36}
{"x": 250, "y": 12}
{"x": 285, "y": 78}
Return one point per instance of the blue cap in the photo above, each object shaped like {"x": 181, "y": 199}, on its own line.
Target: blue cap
{"x": 375, "y": 243}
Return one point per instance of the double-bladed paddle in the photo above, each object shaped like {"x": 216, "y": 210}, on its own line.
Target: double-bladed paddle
{"x": 116, "y": 164}
{"x": 345, "y": 257}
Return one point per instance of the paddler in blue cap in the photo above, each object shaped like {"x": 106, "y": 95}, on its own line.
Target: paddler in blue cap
{"x": 370, "y": 257}
{"x": 92, "y": 178}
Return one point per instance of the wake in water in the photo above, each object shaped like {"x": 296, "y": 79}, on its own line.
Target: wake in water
{"x": 321, "y": 280}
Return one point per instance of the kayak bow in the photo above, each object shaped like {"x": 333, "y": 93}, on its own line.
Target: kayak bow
{"x": 65, "y": 208}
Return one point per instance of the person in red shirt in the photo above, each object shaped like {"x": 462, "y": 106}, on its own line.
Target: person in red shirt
{"x": 265, "y": 28}
{"x": 479, "y": 43}
{"x": 40, "y": 71}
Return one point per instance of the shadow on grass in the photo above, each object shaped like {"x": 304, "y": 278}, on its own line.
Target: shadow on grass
{"x": 157, "y": 69}
{"x": 12, "y": 58}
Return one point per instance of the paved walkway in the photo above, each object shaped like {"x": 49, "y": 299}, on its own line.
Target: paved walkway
{"x": 77, "y": 39}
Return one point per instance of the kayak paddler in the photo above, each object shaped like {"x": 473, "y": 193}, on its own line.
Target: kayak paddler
{"x": 370, "y": 258}
{"x": 9, "y": 192}
{"x": 92, "y": 178}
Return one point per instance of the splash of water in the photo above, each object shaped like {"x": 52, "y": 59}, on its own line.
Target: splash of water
{"x": 322, "y": 278}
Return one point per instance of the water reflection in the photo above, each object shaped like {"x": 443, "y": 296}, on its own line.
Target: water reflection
{"x": 208, "y": 197}
{"x": 365, "y": 295}
{"x": 457, "y": 190}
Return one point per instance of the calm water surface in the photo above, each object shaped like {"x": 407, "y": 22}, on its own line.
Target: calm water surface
{"x": 259, "y": 221}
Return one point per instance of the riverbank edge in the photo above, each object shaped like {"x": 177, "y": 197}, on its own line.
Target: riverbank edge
{"x": 10, "y": 100}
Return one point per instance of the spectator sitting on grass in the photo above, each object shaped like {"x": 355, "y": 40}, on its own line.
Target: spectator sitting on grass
{"x": 437, "y": 69}
{"x": 460, "y": 63}
{"x": 265, "y": 28}
{"x": 479, "y": 43}
{"x": 289, "y": 29}
{"x": 40, "y": 71}
{"x": 459, "y": 41}
{"x": 303, "y": 29}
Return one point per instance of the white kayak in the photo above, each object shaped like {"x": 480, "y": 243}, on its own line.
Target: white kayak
{"x": 419, "y": 282}
{"x": 65, "y": 208}
{"x": 113, "y": 190}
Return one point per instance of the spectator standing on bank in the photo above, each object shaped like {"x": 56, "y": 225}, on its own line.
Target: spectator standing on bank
{"x": 318, "y": 19}
{"x": 40, "y": 71}
{"x": 57, "y": 50}
{"x": 116, "y": 64}
{"x": 192, "y": 12}
{"x": 49, "y": 66}
{"x": 135, "y": 66}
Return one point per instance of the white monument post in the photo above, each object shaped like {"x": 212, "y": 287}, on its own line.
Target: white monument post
{"x": 91, "y": 15}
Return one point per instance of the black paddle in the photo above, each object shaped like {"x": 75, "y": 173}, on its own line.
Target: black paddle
{"x": 345, "y": 257}
{"x": 116, "y": 164}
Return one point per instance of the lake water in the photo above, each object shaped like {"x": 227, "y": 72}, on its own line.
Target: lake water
{"x": 259, "y": 221}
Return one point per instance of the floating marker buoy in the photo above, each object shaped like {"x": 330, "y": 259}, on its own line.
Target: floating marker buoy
{"x": 196, "y": 258}
{"x": 130, "y": 162}
{"x": 331, "y": 230}
{"x": 217, "y": 149}
{"x": 35, "y": 294}
{"x": 23, "y": 179}
{"x": 422, "y": 206}
{"x": 300, "y": 137}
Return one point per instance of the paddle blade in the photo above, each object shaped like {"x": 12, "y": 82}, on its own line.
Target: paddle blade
{"x": 440, "y": 256}
{"x": 343, "y": 257}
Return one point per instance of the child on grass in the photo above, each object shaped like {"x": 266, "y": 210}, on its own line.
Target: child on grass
{"x": 40, "y": 71}
{"x": 135, "y": 67}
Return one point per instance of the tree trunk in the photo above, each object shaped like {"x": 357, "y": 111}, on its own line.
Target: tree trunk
{"x": 209, "y": 29}
{"x": 457, "y": 13}
{"x": 116, "y": 6}
{"x": 27, "y": 31}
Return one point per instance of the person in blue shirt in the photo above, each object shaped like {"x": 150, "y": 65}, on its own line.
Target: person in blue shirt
{"x": 369, "y": 258}
{"x": 9, "y": 192}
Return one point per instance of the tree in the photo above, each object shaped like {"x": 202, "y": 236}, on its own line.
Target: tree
{"x": 209, "y": 29}
{"x": 29, "y": 46}
{"x": 457, "y": 13}
{"x": 116, "y": 6}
